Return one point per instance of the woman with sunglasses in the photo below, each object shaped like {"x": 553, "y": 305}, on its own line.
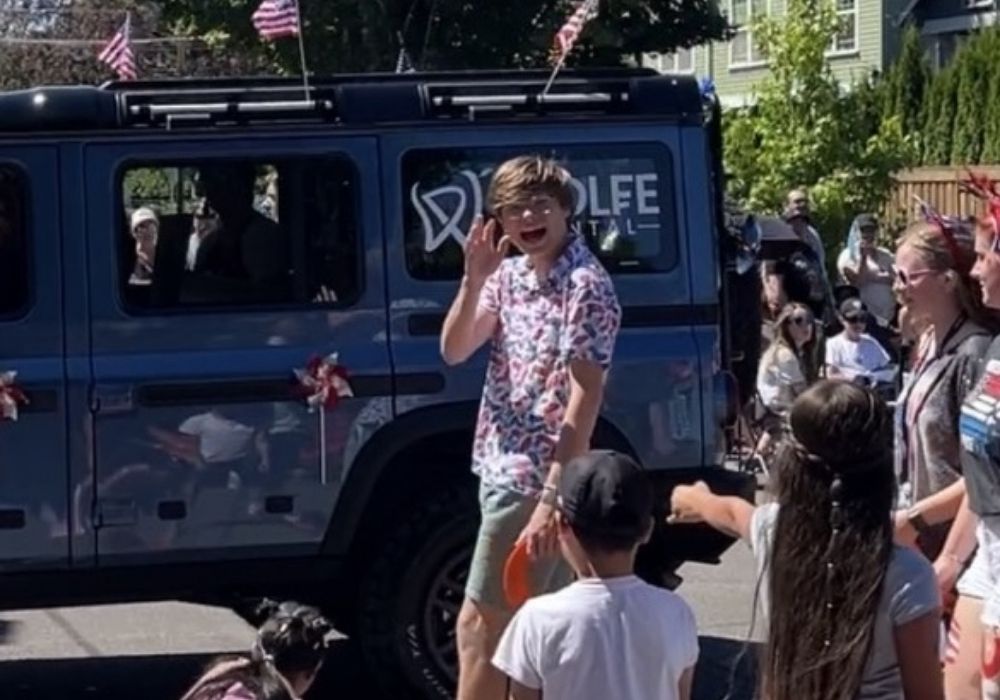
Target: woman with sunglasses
{"x": 787, "y": 368}
{"x": 933, "y": 264}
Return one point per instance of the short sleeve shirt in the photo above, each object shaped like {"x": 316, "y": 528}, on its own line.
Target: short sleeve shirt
{"x": 599, "y": 639}
{"x": 910, "y": 592}
{"x": 573, "y": 314}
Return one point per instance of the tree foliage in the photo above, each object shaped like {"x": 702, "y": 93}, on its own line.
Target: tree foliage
{"x": 805, "y": 131}
{"x": 907, "y": 82}
{"x": 362, "y": 35}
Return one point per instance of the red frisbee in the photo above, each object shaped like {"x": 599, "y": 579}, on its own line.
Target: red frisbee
{"x": 517, "y": 575}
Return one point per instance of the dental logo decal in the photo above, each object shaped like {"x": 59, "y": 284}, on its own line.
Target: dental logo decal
{"x": 614, "y": 198}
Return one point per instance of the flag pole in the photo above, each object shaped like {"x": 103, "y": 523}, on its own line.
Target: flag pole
{"x": 302, "y": 48}
{"x": 555, "y": 72}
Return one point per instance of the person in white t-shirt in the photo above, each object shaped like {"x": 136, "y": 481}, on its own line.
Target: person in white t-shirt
{"x": 853, "y": 354}
{"x": 870, "y": 268}
{"x": 609, "y": 634}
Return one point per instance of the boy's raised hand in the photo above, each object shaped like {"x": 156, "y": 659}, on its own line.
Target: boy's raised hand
{"x": 482, "y": 255}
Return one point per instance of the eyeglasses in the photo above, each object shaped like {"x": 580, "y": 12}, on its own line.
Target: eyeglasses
{"x": 539, "y": 207}
{"x": 906, "y": 278}
{"x": 802, "y": 320}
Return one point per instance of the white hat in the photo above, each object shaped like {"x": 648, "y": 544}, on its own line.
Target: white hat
{"x": 142, "y": 215}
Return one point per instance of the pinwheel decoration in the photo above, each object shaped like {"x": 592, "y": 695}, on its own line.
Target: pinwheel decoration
{"x": 323, "y": 382}
{"x": 11, "y": 396}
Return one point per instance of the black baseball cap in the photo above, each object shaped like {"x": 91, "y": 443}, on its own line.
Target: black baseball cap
{"x": 605, "y": 493}
{"x": 866, "y": 221}
{"x": 853, "y": 309}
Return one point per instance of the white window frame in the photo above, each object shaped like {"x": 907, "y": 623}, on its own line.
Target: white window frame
{"x": 854, "y": 50}
{"x": 746, "y": 29}
{"x": 668, "y": 62}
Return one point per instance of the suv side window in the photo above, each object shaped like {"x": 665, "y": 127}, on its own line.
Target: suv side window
{"x": 15, "y": 291}
{"x": 624, "y": 203}
{"x": 239, "y": 234}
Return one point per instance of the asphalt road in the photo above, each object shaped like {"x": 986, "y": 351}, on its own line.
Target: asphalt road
{"x": 153, "y": 651}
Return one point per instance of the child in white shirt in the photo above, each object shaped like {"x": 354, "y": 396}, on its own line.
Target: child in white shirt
{"x": 609, "y": 634}
{"x": 854, "y": 354}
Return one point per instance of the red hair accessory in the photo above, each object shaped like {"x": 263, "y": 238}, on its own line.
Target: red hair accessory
{"x": 948, "y": 226}
{"x": 984, "y": 188}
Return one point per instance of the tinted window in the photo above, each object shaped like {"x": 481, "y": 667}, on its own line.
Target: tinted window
{"x": 14, "y": 287}
{"x": 624, "y": 204}
{"x": 228, "y": 233}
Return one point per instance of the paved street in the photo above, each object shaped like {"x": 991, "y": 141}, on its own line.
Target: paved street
{"x": 152, "y": 651}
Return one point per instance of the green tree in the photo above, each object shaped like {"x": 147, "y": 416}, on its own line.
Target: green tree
{"x": 973, "y": 74}
{"x": 940, "y": 112}
{"x": 906, "y": 83}
{"x": 360, "y": 35}
{"x": 804, "y": 130}
{"x": 990, "y": 106}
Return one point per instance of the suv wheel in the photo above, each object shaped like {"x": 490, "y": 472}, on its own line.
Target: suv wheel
{"x": 411, "y": 595}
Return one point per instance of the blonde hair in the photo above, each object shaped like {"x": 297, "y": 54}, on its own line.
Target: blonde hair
{"x": 951, "y": 250}
{"x": 528, "y": 175}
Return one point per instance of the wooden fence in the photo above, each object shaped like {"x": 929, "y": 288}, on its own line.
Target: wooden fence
{"x": 939, "y": 187}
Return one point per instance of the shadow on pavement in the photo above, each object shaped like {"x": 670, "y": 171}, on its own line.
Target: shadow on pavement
{"x": 724, "y": 671}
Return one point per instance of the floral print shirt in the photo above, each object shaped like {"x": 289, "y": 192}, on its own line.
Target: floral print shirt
{"x": 543, "y": 325}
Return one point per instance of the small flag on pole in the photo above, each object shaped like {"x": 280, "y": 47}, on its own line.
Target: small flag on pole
{"x": 275, "y": 19}
{"x": 566, "y": 37}
{"x": 118, "y": 53}
{"x": 403, "y": 63}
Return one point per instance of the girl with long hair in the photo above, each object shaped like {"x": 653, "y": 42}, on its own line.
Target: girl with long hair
{"x": 786, "y": 368}
{"x": 850, "y": 614}
{"x": 282, "y": 664}
{"x": 933, "y": 282}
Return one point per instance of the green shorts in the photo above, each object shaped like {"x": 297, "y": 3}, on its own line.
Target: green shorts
{"x": 504, "y": 516}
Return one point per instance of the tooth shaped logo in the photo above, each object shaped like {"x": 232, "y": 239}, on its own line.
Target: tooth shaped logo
{"x": 447, "y": 211}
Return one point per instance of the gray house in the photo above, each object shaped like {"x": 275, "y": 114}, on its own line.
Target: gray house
{"x": 868, "y": 41}
{"x": 944, "y": 24}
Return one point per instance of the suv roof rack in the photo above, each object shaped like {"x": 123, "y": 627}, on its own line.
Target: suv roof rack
{"x": 361, "y": 99}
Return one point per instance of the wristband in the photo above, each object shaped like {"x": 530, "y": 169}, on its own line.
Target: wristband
{"x": 549, "y": 495}
{"x": 917, "y": 521}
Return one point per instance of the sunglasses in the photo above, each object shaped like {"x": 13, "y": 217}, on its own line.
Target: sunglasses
{"x": 538, "y": 207}
{"x": 802, "y": 320}
{"x": 905, "y": 278}
{"x": 856, "y": 320}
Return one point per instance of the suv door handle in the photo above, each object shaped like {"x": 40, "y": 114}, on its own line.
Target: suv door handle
{"x": 111, "y": 399}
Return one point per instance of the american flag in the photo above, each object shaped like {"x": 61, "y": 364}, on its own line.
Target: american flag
{"x": 566, "y": 37}
{"x": 118, "y": 52}
{"x": 275, "y": 19}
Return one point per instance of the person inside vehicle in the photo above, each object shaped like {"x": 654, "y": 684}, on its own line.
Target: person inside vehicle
{"x": 869, "y": 268}
{"x": 205, "y": 224}
{"x": 853, "y": 354}
{"x": 849, "y": 614}
{"x": 283, "y": 663}
{"x": 249, "y": 246}
{"x": 580, "y": 643}
{"x": 145, "y": 230}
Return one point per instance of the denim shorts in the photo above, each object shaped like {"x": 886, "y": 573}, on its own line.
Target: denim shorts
{"x": 504, "y": 516}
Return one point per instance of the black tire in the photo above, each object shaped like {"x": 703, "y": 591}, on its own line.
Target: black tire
{"x": 411, "y": 593}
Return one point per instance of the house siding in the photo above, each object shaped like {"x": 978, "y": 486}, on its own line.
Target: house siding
{"x": 736, "y": 85}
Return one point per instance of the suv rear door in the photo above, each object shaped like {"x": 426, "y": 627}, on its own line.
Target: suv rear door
{"x": 34, "y": 530}
{"x": 205, "y": 447}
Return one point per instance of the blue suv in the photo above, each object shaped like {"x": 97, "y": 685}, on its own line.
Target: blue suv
{"x": 172, "y": 252}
